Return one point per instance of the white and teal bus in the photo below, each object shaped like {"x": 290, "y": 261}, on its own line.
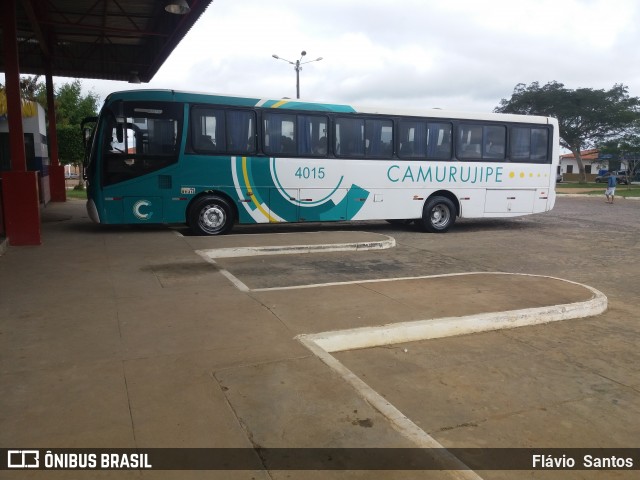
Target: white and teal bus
{"x": 160, "y": 156}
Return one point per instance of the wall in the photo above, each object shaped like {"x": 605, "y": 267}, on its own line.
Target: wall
{"x": 36, "y": 149}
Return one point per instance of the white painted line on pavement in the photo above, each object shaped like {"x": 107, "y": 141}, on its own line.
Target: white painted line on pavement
{"x": 389, "y": 242}
{"x": 378, "y": 280}
{"x": 398, "y": 420}
{"x": 210, "y": 254}
{"x": 403, "y": 332}
{"x": 322, "y": 344}
{"x": 232, "y": 278}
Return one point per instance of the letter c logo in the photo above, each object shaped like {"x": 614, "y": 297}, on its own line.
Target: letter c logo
{"x": 139, "y": 214}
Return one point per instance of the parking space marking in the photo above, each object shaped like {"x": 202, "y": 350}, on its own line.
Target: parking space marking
{"x": 209, "y": 255}
{"x": 233, "y": 252}
{"x": 402, "y": 424}
{"x": 228, "y": 275}
{"x": 402, "y": 332}
{"x": 323, "y": 344}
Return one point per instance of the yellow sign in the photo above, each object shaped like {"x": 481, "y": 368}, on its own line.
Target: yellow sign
{"x": 29, "y": 108}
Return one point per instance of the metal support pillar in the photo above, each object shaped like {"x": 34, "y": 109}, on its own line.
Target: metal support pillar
{"x": 56, "y": 171}
{"x": 19, "y": 187}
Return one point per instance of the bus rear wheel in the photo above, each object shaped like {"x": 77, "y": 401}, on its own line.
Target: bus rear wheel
{"x": 438, "y": 215}
{"x": 210, "y": 215}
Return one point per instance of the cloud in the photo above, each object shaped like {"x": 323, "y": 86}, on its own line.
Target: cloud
{"x": 459, "y": 54}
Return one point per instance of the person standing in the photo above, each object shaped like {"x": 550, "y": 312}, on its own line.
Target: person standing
{"x": 611, "y": 188}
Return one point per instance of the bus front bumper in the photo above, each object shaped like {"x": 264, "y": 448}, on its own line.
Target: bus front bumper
{"x": 92, "y": 211}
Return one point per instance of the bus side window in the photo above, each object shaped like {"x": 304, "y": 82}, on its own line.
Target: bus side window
{"x": 207, "y": 130}
{"x": 529, "y": 144}
{"x": 520, "y": 143}
{"x": 379, "y": 135}
{"x": 493, "y": 141}
{"x": 349, "y": 137}
{"x": 312, "y": 135}
{"x": 439, "y": 141}
{"x": 279, "y": 134}
{"x": 412, "y": 139}
{"x": 481, "y": 142}
{"x": 241, "y": 127}
{"x": 539, "y": 144}
{"x": 469, "y": 139}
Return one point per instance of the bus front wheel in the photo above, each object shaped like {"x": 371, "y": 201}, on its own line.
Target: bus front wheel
{"x": 210, "y": 215}
{"x": 438, "y": 215}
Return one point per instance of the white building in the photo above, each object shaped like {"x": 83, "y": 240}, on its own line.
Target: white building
{"x": 36, "y": 149}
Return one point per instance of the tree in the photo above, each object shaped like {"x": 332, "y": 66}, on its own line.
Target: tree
{"x": 71, "y": 107}
{"x": 625, "y": 148}
{"x": 586, "y": 117}
{"x": 29, "y": 89}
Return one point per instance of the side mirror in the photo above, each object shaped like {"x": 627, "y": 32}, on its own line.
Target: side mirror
{"x": 86, "y": 136}
{"x": 87, "y": 132}
{"x": 119, "y": 133}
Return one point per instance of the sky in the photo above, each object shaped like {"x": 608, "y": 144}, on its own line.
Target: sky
{"x": 449, "y": 54}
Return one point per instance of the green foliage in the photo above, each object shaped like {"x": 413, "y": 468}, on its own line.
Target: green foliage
{"x": 585, "y": 116}
{"x": 30, "y": 89}
{"x": 624, "y": 144}
{"x": 70, "y": 148}
{"x": 72, "y": 106}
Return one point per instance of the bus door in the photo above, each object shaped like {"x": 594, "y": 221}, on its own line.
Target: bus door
{"x": 141, "y": 143}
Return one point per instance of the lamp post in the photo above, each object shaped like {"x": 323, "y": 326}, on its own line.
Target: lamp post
{"x": 297, "y": 66}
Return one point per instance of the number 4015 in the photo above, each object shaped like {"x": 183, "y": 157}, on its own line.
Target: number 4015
{"x": 308, "y": 173}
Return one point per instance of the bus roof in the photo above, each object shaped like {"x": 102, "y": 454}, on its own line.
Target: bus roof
{"x": 295, "y": 104}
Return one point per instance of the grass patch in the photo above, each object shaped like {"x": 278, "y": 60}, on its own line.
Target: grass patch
{"x": 79, "y": 194}
{"x": 621, "y": 191}
{"x": 560, "y": 186}
{"x": 598, "y": 189}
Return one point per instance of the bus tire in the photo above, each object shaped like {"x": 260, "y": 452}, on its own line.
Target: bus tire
{"x": 438, "y": 215}
{"x": 210, "y": 215}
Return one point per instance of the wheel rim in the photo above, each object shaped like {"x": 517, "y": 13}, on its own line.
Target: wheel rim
{"x": 212, "y": 218}
{"x": 440, "y": 216}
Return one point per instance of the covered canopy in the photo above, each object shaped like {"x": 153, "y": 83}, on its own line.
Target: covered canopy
{"x": 105, "y": 39}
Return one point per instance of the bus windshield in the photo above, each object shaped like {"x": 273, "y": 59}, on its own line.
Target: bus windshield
{"x": 138, "y": 138}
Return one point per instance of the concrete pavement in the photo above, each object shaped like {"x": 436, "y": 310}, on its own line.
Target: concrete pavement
{"x": 127, "y": 337}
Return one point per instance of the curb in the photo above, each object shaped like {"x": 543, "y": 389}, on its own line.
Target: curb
{"x": 367, "y": 337}
{"x": 295, "y": 249}
{"x": 323, "y": 344}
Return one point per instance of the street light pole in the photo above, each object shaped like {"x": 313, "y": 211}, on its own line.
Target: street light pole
{"x": 297, "y": 66}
